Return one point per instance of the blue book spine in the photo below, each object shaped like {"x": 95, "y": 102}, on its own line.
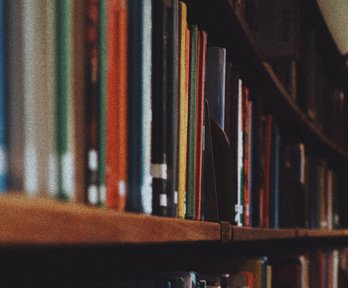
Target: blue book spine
{"x": 3, "y": 148}
{"x": 215, "y": 83}
{"x": 139, "y": 198}
{"x": 275, "y": 166}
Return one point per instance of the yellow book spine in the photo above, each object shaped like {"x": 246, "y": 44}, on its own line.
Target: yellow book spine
{"x": 183, "y": 113}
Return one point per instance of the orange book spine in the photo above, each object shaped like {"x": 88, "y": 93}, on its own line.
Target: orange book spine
{"x": 202, "y": 40}
{"x": 116, "y": 104}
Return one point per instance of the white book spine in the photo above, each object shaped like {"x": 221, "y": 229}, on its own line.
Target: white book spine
{"x": 147, "y": 113}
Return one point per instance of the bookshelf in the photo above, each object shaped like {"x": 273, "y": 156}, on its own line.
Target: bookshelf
{"x": 72, "y": 235}
{"x": 39, "y": 222}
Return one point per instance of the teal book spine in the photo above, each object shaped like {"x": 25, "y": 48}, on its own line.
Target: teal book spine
{"x": 190, "y": 201}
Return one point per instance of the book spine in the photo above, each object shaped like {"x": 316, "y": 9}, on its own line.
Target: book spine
{"x": 139, "y": 198}
{"x": 102, "y": 105}
{"x": 191, "y": 123}
{"x": 52, "y": 95}
{"x": 265, "y": 199}
{"x": 116, "y": 115}
{"x": 172, "y": 106}
{"x": 64, "y": 100}
{"x": 239, "y": 206}
{"x": 3, "y": 125}
{"x": 121, "y": 80}
{"x": 35, "y": 78}
{"x": 246, "y": 157}
{"x": 16, "y": 90}
{"x": 251, "y": 162}
{"x": 79, "y": 97}
{"x": 183, "y": 111}
{"x": 92, "y": 101}
{"x": 159, "y": 161}
{"x": 202, "y": 44}
{"x": 215, "y": 84}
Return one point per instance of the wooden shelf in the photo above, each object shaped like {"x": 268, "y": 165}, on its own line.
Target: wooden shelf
{"x": 38, "y": 221}
{"x": 254, "y": 234}
{"x": 41, "y": 221}
{"x": 227, "y": 27}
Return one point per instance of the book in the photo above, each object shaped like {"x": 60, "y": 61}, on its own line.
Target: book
{"x": 173, "y": 108}
{"x": 52, "y": 95}
{"x": 246, "y": 155}
{"x": 274, "y": 177}
{"x": 223, "y": 169}
{"x": 278, "y": 28}
{"x": 190, "y": 192}
{"x": 3, "y": 120}
{"x": 292, "y": 186}
{"x": 288, "y": 272}
{"x": 139, "y": 196}
{"x": 102, "y": 105}
{"x": 15, "y": 100}
{"x": 92, "y": 102}
{"x": 65, "y": 121}
{"x": 265, "y": 192}
{"x": 215, "y": 83}
{"x": 36, "y": 102}
{"x": 79, "y": 97}
{"x": 240, "y": 144}
{"x": 201, "y": 58}
{"x": 183, "y": 109}
{"x": 160, "y": 88}
{"x": 209, "y": 202}
{"x": 116, "y": 105}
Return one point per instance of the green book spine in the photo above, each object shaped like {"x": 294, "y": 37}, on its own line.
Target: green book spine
{"x": 64, "y": 99}
{"x": 190, "y": 206}
{"x": 102, "y": 103}
{"x": 52, "y": 95}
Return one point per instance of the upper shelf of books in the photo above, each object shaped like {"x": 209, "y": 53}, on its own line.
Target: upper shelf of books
{"x": 278, "y": 71}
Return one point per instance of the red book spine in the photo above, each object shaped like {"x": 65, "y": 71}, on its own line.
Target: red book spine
{"x": 202, "y": 45}
{"x": 116, "y": 104}
{"x": 246, "y": 157}
{"x": 92, "y": 99}
{"x": 264, "y": 201}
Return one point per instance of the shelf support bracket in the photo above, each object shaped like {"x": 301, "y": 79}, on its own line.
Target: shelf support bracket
{"x": 226, "y": 232}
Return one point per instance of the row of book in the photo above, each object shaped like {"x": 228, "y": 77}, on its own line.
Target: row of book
{"x": 267, "y": 179}
{"x": 315, "y": 269}
{"x": 104, "y": 103}
{"x": 144, "y": 116}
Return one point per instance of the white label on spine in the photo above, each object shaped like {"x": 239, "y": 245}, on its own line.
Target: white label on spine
{"x": 147, "y": 194}
{"x": 122, "y": 188}
{"x": 92, "y": 194}
{"x": 68, "y": 174}
{"x": 102, "y": 193}
{"x": 3, "y": 161}
{"x": 93, "y": 160}
{"x": 159, "y": 171}
{"x": 163, "y": 200}
{"x": 52, "y": 175}
{"x": 31, "y": 177}
{"x": 176, "y": 197}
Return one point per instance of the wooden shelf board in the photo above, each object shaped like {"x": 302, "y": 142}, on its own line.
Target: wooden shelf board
{"x": 41, "y": 221}
{"x": 249, "y": 234}
{"x": 321, "y": 233}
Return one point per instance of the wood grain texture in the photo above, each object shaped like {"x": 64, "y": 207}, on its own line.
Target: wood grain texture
{"x": 41, "y": 221}
{"x": 249, "y": 234}
{"x": 320, "y": 233}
